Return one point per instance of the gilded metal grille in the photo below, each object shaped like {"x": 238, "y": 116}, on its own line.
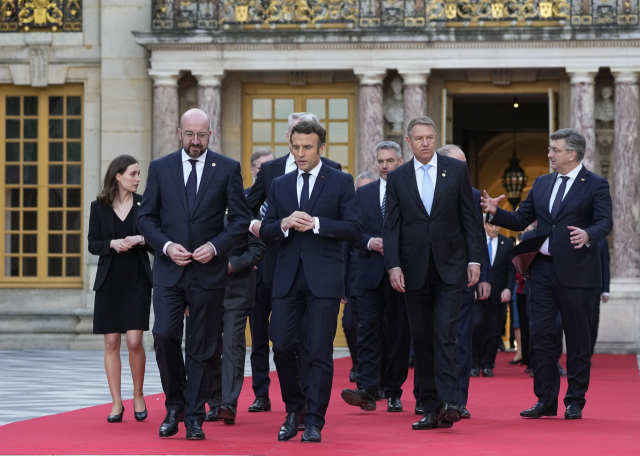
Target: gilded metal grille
{"x": 367, "y": 14}
{"x": 26, "y": 15}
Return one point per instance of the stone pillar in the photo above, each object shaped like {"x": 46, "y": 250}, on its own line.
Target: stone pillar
{"x": 166, "y": 117}
{"x": 583, "y": 107}
{"x": 210, "y": 101}
{"x": 626, "y": 176}
{"x": 371, "y": 120}
{"x": 415, "y": 102}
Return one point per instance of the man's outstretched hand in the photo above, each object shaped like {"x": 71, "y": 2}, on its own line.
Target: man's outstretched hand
{"x": 490, "y": 204}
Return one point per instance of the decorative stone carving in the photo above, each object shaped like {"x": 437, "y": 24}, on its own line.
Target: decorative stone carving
{"x": 605, "y": 107}
{"x": 209, "y": 100}
{"x": 582, "y": 111}
{"x": 605, "y": 115}
{"x": 165, "y": 114}
{"x": 39, "y": 64}
{"x": 371, "y": 119}
{"x": 394, "y": 106}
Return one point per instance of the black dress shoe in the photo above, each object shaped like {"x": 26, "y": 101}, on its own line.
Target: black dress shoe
{"x": 514, "y": 361}
{"x": 311, "y": 434}
{"x": 487, "y": 372}
{"x": 563, "y": 373}
{"x": 450, "y": 412}
{"x": 194, "y": 431}
{"x": 475, "y": 372}
{"x": 261, "y": 404}
{"x": 169, "y": 426}
{"x": 352, "y": 375}
{"x": 141, "y": 416}
{"x": 359, "y": 398}
{"x": 227, "y": 412}
{"x": 378, "y": 395}
{"x": 419, "y": 408}
{"x": 212, "y": 414}
{"x": 501, "y": 347}
{"x": 289, "y": 428}
{"x": 464, "y": 413}
{"x": 394, "y": 404}
{"x": 528, "y": 370}
{"x": 573, "y": 412}
{"x": 540, "y": 410}
{"x": 428, "y": 421}
{"x": 116, "y": 418}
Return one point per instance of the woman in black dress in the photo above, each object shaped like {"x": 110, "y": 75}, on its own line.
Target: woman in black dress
{"x": 123, "y": 281}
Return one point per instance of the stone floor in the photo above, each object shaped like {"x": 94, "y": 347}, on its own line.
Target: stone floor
{"x": 35, "y": 383}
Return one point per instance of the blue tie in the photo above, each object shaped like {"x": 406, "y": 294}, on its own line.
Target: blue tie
{"x": 427, "y": 189}
{"x": 192, "y": 185}
{"x": 384, "y": 204}
{"x": 490, "y": 252}
{"x": 304, "y": 194}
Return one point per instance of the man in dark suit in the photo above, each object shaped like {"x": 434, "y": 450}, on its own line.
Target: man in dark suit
{"x": 487, "y": 315}
{"x": 310, "y": 212}
{"x": 260, "y": 325}
{"x": 432, "y": 249}
{"x": 602, "y": 293}
{"x": 239, "y": 299}
{"x": 181, "y": 216}
{"x": 573, "y": 209}
{"x": 377, "y": 298}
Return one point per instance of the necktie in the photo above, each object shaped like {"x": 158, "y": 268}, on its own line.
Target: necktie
{"x": 556, "y": 205}
{"x": 384, "y": 204}
{"x": 304, "y": 195}
{"x": 263, "y": 210}
{"x": 427, "y": 189}
{"x": 490, "y": 247}
{"x": 192, "y": 185}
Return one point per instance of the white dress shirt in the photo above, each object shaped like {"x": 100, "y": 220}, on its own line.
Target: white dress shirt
{"x": 494, "y": 247}
{"x": 299, "y": 184}
{"x": 572, "y": 177}
{"x": 186, "y": 171}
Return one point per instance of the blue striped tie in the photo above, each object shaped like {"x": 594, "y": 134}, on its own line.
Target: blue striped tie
{"x": 384, "y": 204}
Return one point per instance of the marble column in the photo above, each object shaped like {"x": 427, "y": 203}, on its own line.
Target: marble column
{"x": 626, "y": 176}
{"x": 415, "y": 101}
{"x": 583, "y": 107}
{"x": 166, "y": 116}
{"x": 371, "y": 120}
{"x": 210, "y": 101}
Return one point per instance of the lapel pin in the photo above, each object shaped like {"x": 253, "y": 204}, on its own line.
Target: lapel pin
{"x": 582, "y": 179}
{"x": 213, "y": 164}
{"x": 138, "y": 203}
{"x": 501, "y": 242}
{"x": 444, "y": 174}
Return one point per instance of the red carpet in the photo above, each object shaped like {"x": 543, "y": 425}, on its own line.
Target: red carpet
{"x": 610, "y": 426}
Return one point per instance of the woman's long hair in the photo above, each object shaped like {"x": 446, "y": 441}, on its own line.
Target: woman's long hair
{"x": 110, "y": 184}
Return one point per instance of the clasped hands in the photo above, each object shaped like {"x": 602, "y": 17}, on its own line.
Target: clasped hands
{"x": 397, "y": 277}
{"x": 183, "y": 257}
{"x": 122, "y": 245}
{"x": 300, "y": 221}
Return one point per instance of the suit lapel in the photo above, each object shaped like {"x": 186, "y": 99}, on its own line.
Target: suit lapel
{"x": 499, "y": 250}
{"x": 207, "y": 173}
{"x": 547, "y": 193}
{"x": 293, "y": 189}
{"x": 580, "y": 180}
{"x": 282, "y": 167}
{"x": 375, "y": 200}
{"x": 109, "y": 213}
{"x": 178, "y": 180}
{"x": 412, "y": 184}
{"x": 441, "y": 182}
{"x": 323, "y": 176}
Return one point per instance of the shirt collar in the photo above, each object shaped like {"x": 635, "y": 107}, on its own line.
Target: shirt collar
{"x": 186, "y": 157}
{"x": 314, "y": 172}
{"x": 573, "y": 174}
{"x": 434, "y": 162}
{"x": 290, "y": 160}
{"x": 489, "y": 238}
{"x": 383, "y": 183}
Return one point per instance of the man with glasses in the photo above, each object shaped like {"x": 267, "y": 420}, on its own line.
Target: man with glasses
{"x": 432, "y": 249}
{"x": 573, "y": 208}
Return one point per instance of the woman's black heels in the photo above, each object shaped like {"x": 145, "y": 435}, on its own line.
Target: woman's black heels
{"x": 116, "y": 418}
{"x": 141, "y": 416}
{"x": 516, "y": 361}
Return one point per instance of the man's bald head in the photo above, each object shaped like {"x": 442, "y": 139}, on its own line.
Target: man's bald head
{"x": 194, "y": 132}
{"x": 194, "y": 116}
{"x": 453, "y": 151}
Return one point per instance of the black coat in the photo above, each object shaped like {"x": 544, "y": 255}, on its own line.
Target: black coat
{"x": 503, "y": 271}
{"x": 102, "y": 232}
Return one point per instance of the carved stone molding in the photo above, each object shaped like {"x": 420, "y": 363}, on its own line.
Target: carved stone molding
{"x": 164, "y": 78}
{"x": 210, "y": 79}
{"x": 414, "y": 77}
{"x": 370, "y": 77}
{"x": 39, "y": 65}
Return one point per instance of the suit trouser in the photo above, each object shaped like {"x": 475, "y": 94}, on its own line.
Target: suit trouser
{"x": 523, "y": 319}
{"x": 350, "y": 322}
{"x": 433, "y": 317}
{"x": 288, "y": 318}
{"x": 228, "y": 375}
{"x": 259, "y": 324}
{"x": 488, "y": 334}
{"x": 465, "y": 343}
{"x": 547, "y": 297}
{"x": 595, "y": 320}
{"x": 188, "y": 387}
{"x": 373, "y": 306}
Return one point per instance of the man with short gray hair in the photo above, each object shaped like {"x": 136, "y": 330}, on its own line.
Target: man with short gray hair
{"x": 257, "y": 159}
{"x": 574, "y": 212}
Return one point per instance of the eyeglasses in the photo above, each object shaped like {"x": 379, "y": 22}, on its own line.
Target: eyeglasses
{"x": 201, "y": 135}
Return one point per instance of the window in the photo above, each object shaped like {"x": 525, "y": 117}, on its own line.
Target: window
{"x": 41, "y": 160}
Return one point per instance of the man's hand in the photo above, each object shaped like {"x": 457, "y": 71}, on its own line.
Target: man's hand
{"x": 120, "y": 245}
{"x": 204, "y": 253}
{"x": 605, "y": 298}
{"x": 178, "y": 254}
{"x": 397, "y": 279}
{"x": 255, "y": 229}
{"x": 578, "y": 236}
{"x": 490, "y": 204}
{"x": 376, "y": 244}
{"x": 134, "y": 240}
{"x": 298, "y": 220}
{"x": 484, "y": 290}
{"x": 473, "y": 274}
{"x": 309, "y": 226}
{"x": 344, "y": 301}
{"x": 505, "y": 296}
{"x": 230, "y": 269}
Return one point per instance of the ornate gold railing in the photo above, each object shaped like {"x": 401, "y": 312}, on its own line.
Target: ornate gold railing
{"x": 366, "y": 14}
{"x": 54, "y": 15}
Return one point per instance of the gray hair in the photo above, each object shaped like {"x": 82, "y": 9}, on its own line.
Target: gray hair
{"x": 424, "y": 120}
{"x": 259, "y": 154}
{"x": 303, "y": 116}
{"x": 447, "y": 149}
{"x": 365, "y": 175}
{"x": 389, "y": 145}
{"x": 573, "y": 140}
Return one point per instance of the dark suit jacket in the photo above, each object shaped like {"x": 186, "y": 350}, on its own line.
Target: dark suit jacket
{"x": 451, "y": 231}
{"x": 503, "y": 270}
{"x": 164, "y": 216}
{"x": 333, "y": 200}
{"x": 587, "y": 205}
{"x": 350, "y": 255}
{"x": 269, "y": 171}
{"x": 370, "y": 270}
{"x": 485, "y": 267}
{"x": 102, "y": 232}
{"x": 605, "y": 262}
{"x": 260, "y": 266}
{"x": 528, "y": 235}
